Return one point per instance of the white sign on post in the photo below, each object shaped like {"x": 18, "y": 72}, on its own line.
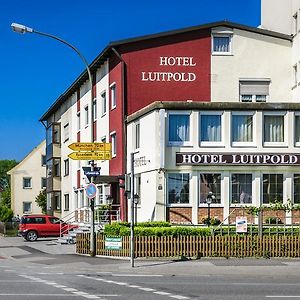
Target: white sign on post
{"x": 241, "y": 224}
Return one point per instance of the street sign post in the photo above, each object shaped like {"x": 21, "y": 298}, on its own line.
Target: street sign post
{"x": 91, "y": 190}
{"x": 90, "y": 147}
{"x": 90, "y": 155}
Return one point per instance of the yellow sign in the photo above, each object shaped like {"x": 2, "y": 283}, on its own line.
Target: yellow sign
{"x": 90, "y": 155}
{"x": 90, "y": 146}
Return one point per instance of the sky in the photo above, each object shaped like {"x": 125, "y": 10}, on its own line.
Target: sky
{"x": 36, "y": 70}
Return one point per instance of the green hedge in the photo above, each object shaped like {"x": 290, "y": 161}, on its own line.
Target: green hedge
{"x": 153, "y": 229}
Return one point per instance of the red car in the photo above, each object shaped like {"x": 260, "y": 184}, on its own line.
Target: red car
{"x": 32, "y": 227}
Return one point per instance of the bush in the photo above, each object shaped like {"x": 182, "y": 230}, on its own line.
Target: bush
{"x": 273, "y": 220}
{"x": 211, "y": 221}
{"x": 6, "y": 213}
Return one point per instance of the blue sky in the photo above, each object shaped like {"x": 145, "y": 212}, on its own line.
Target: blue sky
{"x": 35, "y": 70}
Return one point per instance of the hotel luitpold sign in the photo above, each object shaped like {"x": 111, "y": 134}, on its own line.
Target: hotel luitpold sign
{"x": 280, "y": 159}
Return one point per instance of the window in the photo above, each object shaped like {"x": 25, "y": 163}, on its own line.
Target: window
{"x": 179, "y": 128}
{"x": 254, "y": 90}
{"x": 56, "y": 167}
{"x": 44, "y": 161}
{"x": 27, "y": 183}
{"x": 27, "y": 207}
{"x": 86, "y": 115}
{"x": 113, "y": 95}
{"x": 295, "y": 75}
{"x": 103, "y": 103}
{"x": 210, "y": 183}
{"x": 221, "y": 44}
{"x": 137, "y": 135}
{"x": 113, "y": 144}
{"x": 295, "y": 24}
{"x": 272, "y": 188}
{"x": 56, "y": 133}
{"x": 296, "y": 188}
{"x": 242, "y": 128}
{"x": 67, "y": 202}
{"x": 100, "y": 199}
{"x": 43, "y": 182}
{"x": 78, "y": 121}
{"x": 57, "y": 202}
{"x": 54, "y": 220}
{"x": 297, "y": 130}
{"x": 178, "y": 188}
{"x": 210, "y": 127}
{"x": 66, "y": 167}
{"x": 241, "y": 185}
{"x": 66, "y": 132}
{"x": 94, "y": 109}
{"x": 273, "y": 129}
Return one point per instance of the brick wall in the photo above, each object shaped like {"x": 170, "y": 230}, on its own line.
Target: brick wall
{"x": 179, "y": 215}
{"x": 296, "y": 216}
{"x": 215, "y": 212}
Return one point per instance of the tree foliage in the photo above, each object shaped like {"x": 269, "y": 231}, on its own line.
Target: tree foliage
{"x": 5, "y": 166}
{"x": 41, "y": 200}
{"x": 6, "y": 213}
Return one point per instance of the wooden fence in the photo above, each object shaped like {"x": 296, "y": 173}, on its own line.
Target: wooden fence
{"x": 197, "y": 246}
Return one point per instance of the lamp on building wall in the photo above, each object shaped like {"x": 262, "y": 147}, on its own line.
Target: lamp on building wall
{"x": 109, "y": 202}
{"x": 210, "y": 197}
{"x": 19, "y": 28}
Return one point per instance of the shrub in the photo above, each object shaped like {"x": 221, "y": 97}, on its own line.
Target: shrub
{"x": 273, "y": 220}
{"x": 211, "y": 221}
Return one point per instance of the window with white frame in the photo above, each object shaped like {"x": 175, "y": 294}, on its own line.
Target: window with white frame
{"x": 210, "y": 182}
{"x": 137, "y": 135}
{"x": 103, "y": 103}
{"x": 210, "y": 127}
{"x": 94, "y": 109}
{"x": 66, "y": 167}
{"x": 296, "y": 189}
{"x": 27, "y": 207}
{"x": 221, "y": 44}
{"x": 44, "y": 160}
{"x": 66, "y": 132}
{"x": 100, "y": 198}
{"x": 57, "y": 200}
{"x": 297, "y": 130}
{"x": 113, "y": 95}
{"x": 179, "y": 128}
{"x": 241, "y": 188}
{"x": 178, "y": 188}
{"x": 273, "y": 129}
{"x": 86, "y": 115}
{"x": 254, "y": 90}
{"x": 272, "y": 188}
{"x": 242, "y": 127}
{"x": 81, "y": 197}
{"x": 295, "y": 75}
{"x": 27, "y": 183}
{"x": 113, "y": 137}
{"x": 78, "y": 121}
{"x": 43, "y": 182}
{"x": 67, "y": 202}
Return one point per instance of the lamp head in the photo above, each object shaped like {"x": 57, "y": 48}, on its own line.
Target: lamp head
{"x": 19, "y": 28}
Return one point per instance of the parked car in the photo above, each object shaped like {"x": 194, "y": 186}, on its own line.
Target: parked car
{"x": 32, "y": 227}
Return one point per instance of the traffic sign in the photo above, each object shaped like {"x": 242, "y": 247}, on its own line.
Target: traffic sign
{"x": 90, "y": 155}
{"x": 91, "y": 190}
{"x": 90, "y": 146}
{"x": 89, "y": 173}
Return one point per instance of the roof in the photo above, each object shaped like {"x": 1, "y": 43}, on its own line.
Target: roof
{"x": 108, "y": 51}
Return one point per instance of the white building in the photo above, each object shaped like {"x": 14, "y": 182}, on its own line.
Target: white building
{"x": 28, "y": 179}
{"x": 210, "y": 108}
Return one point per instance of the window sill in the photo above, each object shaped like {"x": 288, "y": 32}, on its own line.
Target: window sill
{"x": 179, "y": 144}
{"x": 222, "y": 54}
{"x": 205, "y": 205}
{"x": 274, "y": 145}
{"x": 243, "y": 145}
{"x": 211, "y": 144}
{"x": 180, "y": 205}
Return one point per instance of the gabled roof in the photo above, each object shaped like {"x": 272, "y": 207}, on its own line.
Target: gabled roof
{"x": 108, "y": 51}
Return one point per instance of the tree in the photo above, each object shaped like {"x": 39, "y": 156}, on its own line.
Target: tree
{"x": 5, "y": 166}
{"x": 6, "y": 213}
{"x": 41, "y": 200}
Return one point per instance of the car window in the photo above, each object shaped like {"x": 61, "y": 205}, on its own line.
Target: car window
{"x": 54, "y": 220}
{"x": 40, "y": 220}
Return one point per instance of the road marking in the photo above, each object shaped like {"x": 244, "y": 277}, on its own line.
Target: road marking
{"x": 75, "y": 292}
{"x": 40, "y": 295}
{"x": 282, "y": 296}
{"x": 136, "y": 287}
{"x": 136, "y": 275}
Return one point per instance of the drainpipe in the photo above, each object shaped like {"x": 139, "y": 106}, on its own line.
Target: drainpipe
{"x": 124, "y": 116}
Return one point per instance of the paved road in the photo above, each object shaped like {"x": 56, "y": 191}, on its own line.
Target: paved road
{"x": 46, "y": 270}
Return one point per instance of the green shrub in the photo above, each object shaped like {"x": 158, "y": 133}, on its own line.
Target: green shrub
{"x": 154, "y": 224}
{"x": 273, "y": 220}
{"x": 211, "y": 221}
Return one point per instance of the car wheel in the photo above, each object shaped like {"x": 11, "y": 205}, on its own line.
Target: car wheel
{"x": 31, "y": 236}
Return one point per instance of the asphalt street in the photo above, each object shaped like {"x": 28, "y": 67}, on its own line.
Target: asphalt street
{"x": 47, "y": 270}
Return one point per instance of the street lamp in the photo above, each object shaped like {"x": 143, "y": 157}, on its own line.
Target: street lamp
{"x": 136, "y": 199}
{"x": 210, "y": 197}
{"x": 109, "y": 202}
{"x": 19, "y": 28}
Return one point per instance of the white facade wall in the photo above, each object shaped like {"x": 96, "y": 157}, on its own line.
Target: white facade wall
{"x": 253, "y": 57}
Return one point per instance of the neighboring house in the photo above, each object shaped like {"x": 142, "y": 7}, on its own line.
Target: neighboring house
{"x": 210, "y": 108}
{"x": 28, "y": 178}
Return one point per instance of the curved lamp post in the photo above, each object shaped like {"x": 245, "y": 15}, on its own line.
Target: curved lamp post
{"x": 19, "y": 28}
